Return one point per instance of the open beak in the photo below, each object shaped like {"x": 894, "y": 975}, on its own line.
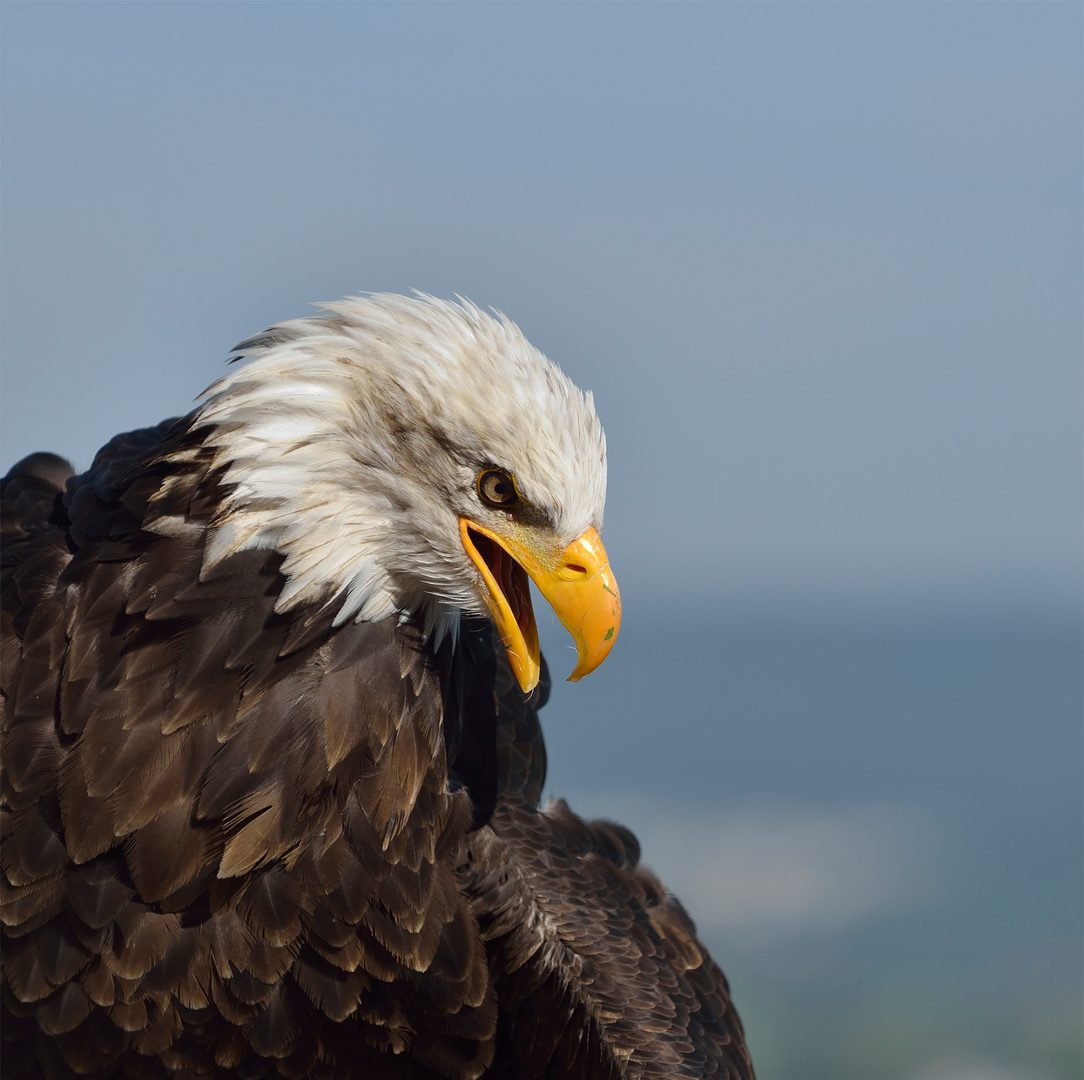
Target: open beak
{"x": 577, "y": 582}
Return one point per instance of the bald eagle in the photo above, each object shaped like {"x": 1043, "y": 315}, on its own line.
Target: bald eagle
{"x": 272, "y": 764}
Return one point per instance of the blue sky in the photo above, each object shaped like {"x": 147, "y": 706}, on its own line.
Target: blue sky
{"x": 820, "y": 263}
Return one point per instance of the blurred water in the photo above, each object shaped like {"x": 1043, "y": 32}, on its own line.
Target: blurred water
{"x": 874, "y": 819}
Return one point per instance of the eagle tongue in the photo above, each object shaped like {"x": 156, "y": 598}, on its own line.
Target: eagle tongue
{"x": 513, "y": 580}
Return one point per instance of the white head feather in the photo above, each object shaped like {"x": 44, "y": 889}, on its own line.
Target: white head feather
{"x": 354, "y": 440}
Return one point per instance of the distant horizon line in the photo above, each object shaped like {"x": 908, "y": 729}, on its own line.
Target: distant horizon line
{"x": 853, "y": 602}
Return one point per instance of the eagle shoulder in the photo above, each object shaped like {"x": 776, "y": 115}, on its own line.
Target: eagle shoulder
{"x": 598, "y": 970}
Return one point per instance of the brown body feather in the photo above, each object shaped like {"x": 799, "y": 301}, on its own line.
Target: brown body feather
{"x": 246, "y": 843}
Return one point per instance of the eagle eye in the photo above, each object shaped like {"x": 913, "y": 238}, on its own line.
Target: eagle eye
{"x": 496, "y": 488}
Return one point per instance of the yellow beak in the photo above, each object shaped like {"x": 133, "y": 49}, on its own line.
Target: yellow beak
{"x": 577, "y": 582}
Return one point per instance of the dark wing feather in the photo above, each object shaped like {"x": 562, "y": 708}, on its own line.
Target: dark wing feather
{"x": 598, "y": 970}
{"x": 229, "y": 838}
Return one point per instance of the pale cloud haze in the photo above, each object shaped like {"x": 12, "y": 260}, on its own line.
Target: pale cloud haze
{"x": 771, "y": 874}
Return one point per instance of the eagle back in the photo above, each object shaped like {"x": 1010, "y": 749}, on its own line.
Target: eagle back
{"x": 224, "y": 823}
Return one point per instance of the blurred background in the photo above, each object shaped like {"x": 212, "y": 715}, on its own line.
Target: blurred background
{"x": 821, "y": 265}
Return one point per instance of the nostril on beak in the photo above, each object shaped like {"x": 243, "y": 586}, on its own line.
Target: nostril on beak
{"x": 576, "y": 568}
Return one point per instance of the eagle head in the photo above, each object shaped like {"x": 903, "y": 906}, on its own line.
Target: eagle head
{"x": 415, "y": 457}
